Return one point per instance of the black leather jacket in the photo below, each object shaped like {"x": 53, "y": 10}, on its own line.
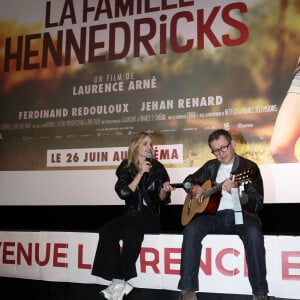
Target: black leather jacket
{"x": 253, "y": 195}
{"x": 148, "y": 189}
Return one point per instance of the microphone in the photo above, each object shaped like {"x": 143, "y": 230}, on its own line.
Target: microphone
{"x": 187, "y": 185}
{"x": 149, "y": 157}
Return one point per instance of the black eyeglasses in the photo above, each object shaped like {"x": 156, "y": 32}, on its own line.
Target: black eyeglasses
{"x": 222, "y": 149}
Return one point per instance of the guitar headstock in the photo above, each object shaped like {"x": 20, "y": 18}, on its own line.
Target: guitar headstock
{"x": 245, "y": 176}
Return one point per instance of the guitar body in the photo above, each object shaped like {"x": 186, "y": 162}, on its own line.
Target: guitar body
{"x": 192, "y": 207}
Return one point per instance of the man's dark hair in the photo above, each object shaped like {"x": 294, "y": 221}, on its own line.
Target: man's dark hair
{"x": 217, "y": 133}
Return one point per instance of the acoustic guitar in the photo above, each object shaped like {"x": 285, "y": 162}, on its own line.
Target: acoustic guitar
{"x": 209, "y": 201}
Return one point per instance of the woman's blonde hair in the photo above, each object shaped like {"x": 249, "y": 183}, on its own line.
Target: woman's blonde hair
{"x": 133, "y": 147}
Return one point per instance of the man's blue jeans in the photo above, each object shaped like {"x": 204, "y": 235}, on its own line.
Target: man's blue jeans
{"x": 223, "y": 222}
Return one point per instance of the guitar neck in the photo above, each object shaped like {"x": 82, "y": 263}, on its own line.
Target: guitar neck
{"x": 212, "y": 190}
{"x": 244, "y": 176}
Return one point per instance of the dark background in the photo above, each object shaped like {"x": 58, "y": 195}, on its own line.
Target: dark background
{"x": 277, "y": 219}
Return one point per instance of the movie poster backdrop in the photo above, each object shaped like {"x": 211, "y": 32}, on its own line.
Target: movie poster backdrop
{"x": 79, "y": 78}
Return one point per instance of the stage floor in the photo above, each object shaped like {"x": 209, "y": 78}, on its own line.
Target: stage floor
{"x": 24, "y": 289}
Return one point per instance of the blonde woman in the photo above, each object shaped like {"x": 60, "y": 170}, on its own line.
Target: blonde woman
{"x": 143, "y": 183}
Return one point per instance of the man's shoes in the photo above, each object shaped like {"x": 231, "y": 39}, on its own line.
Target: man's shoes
{"x": 121, "y": 291}
{"x": 108, "y": 292}
{"x": 187, "y": 295}
{"x": 260, "y": 297}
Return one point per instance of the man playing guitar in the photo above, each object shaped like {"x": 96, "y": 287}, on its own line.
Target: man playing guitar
{"x": 227, "y": 173}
